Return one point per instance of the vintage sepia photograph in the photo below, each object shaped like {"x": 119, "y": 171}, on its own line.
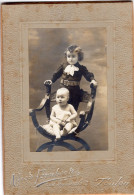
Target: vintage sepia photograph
{"x": 68, "y": 98}
{"x": 68, "y": 89}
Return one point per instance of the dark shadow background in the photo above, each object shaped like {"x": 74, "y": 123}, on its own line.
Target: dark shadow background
{"x": 46, "y": 52}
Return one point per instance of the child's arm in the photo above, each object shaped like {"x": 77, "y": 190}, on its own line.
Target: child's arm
{"x": 88, "y": 76}
{"x": 57, "y": 74}
{"x": 73, "y": 113}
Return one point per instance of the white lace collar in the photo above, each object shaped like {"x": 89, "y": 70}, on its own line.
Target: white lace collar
{"x": 70, "y": 69}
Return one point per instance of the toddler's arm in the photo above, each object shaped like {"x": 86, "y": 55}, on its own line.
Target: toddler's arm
{"x": 73, "y": 113}
{"x": 53, "y": 117}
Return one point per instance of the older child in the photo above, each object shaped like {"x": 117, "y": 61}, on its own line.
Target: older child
{"x": 71, "y": 73}
{"x": 63, "y": 115}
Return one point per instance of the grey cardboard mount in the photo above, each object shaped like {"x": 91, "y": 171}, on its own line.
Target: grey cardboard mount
{"x": 34, "y": 38}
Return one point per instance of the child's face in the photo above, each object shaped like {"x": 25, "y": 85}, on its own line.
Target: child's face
{"x": 62, "y": 98}
{"x": 72, "y": 58}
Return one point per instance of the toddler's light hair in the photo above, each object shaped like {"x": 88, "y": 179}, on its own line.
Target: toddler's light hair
{"x": 64, "y": 90}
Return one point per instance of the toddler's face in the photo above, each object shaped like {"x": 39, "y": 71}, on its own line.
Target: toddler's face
{"x": 72, "y": 58}
{"x": 62, "y": 98}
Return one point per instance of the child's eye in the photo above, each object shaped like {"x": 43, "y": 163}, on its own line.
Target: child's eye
{"x": 73, "y": 56}
{"x": 68, "y": 56}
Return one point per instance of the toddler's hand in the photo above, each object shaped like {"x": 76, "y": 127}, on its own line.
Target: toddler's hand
{"x": 48, "y": 82}
{"x": 68, "y": 120}
{"x": 58, "y": 122}
{"x": 62, "y": 123}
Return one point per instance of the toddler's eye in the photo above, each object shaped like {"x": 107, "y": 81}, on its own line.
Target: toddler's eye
{"x": 73, "y": 56}
{"x": 68, "y": 56}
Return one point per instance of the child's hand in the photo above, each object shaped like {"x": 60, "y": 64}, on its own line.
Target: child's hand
{"x": 48, "y": 82}
{"x": 93, "y": 83}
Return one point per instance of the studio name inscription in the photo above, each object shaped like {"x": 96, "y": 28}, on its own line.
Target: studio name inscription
{"x": 59, "y": 177}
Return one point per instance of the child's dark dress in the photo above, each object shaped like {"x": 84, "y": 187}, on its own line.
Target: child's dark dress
{"x": 77, "y": 95}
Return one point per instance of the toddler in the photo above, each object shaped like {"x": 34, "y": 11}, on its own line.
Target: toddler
{"x": 63, "y": 115}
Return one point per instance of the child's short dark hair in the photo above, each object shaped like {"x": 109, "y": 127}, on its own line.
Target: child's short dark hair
{"x": 77, "y": 49}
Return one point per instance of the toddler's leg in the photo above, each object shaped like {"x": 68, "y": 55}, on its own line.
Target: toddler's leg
{"x": 56, "y": 129}
{"x": 68, "y": 127}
